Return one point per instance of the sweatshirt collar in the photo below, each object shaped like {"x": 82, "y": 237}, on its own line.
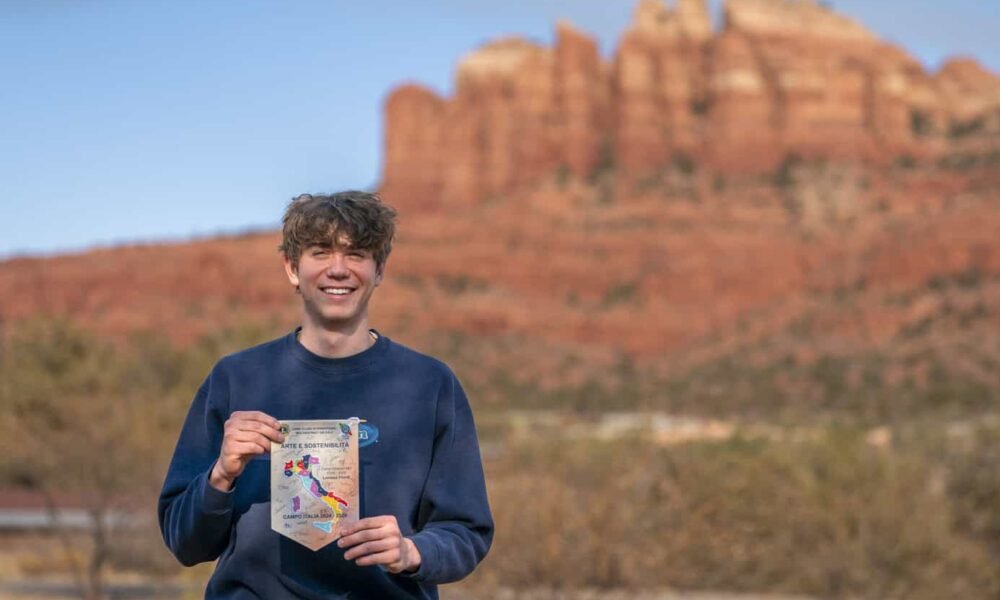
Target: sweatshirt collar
{"x": 343, "y": 366}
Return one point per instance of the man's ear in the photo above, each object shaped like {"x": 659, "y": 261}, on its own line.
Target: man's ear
{"x": 292, "y": 271}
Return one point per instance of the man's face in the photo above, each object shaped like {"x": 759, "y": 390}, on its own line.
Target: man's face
{"x": 336, "y": 283}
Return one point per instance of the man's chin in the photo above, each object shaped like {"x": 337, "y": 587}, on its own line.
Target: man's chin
{"x": 339, "y": 321}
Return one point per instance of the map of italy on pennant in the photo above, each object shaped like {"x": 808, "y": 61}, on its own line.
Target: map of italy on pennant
{"x": 314, "y": 480}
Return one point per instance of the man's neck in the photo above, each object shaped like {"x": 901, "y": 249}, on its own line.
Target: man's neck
{"x": 336, "y": 344}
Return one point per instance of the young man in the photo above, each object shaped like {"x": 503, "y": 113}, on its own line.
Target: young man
{"x": 425, "y": 519}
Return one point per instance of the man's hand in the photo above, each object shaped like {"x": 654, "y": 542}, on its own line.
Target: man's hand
{"x": 378, "y": 541}
{"x": 245, "y": 435}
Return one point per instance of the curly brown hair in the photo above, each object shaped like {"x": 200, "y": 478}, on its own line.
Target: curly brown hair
{"x": 323, "y": 219}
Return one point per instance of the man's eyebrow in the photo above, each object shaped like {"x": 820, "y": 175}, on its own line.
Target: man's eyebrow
{"x": 339, "y": 246}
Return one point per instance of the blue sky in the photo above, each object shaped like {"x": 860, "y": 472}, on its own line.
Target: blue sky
{"x": 124, "y": 120}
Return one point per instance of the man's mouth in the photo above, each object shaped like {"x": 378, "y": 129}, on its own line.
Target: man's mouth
{"x": 336, "y": 291}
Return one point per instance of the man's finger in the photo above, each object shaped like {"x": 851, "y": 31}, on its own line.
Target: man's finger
{"x": 255, "y": 415}
{"x": 372, "y": 547}
{"x": 244, "y": 448}
{"x": 367, "y": 523}
{"x": 260, "y": 427}
{"x": 382, "y": 558}
{"x": 359, "y": 537}
{"x": 257, "y": 426}
{"x": 250, "y": 436}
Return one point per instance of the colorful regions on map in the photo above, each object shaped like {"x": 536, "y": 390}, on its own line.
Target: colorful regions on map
{"x": 326, "y": 526}
{"x": 312, "y": 485}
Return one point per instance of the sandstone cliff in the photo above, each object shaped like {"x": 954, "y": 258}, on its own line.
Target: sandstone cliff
{"x": 579, "y": 268}
{"x": 780, "y": 78}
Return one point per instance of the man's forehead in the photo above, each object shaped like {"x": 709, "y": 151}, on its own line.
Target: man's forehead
{"x": 336, "y": 239}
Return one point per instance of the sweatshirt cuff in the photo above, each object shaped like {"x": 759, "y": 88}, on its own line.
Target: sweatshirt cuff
{"x": 213, "y": 500}
{"x": 428, "y": 557}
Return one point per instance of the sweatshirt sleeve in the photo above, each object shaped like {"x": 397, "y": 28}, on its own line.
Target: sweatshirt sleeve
{"x": 195, "y": 518}
{"x": 455, "y": 527}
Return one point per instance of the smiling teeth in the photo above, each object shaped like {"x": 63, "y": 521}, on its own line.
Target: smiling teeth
{"x": 337, "y": 291}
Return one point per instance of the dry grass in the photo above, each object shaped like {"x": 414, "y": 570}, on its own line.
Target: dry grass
{"x": 832, "y": 517}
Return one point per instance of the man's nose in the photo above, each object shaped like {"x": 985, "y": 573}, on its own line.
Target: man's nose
{"x": 337, "y": 267}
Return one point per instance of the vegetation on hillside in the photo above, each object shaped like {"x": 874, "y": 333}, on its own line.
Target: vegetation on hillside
{"x": 822, "y": 509}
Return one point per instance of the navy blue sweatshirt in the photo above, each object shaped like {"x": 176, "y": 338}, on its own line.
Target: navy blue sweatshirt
{"x": 424, "y": 468}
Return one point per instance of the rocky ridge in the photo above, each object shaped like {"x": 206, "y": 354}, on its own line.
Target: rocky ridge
{"x": 780, "y": 78}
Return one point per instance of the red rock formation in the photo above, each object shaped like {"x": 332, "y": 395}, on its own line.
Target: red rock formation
{"x": 969, "y": 89}
{"x": 818, "y": 77}
{"x": 658, "y": 83}
{"x": 746, "y": 113}
{"x": 782, "y": 77}
{"x": 580, "y": 103}
{"x": 413, "y": 155}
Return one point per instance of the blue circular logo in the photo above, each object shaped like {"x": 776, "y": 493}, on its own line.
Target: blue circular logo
{"x": 367, "y": 434}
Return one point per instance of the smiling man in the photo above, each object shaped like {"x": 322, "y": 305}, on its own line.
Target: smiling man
{"x": 425, "y": 518}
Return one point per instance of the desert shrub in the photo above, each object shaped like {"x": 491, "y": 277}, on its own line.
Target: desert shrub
{"x": 606, "y": 161}
{"x": 64, "y": 389}
{"x": 756, "y": 384}
{"x": 683, "y": 163}
{"x": 563, "y": 176}
{"x": 604, "y": 391}
{"x": 920, "y": 123}
{"x": 114, "y": 408}
{"x": 784, "y": 176}
{"x": 846, "y": 388}
{"x": 960, "y": 161}
{"x": 138, "y": 547}
{"x": 959, "y": 129}
{"x": 620, "y": 293}
{"x": 461, "y": 284}
{"x": 974, "y": 486}
{"x": 830, "y": 516}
